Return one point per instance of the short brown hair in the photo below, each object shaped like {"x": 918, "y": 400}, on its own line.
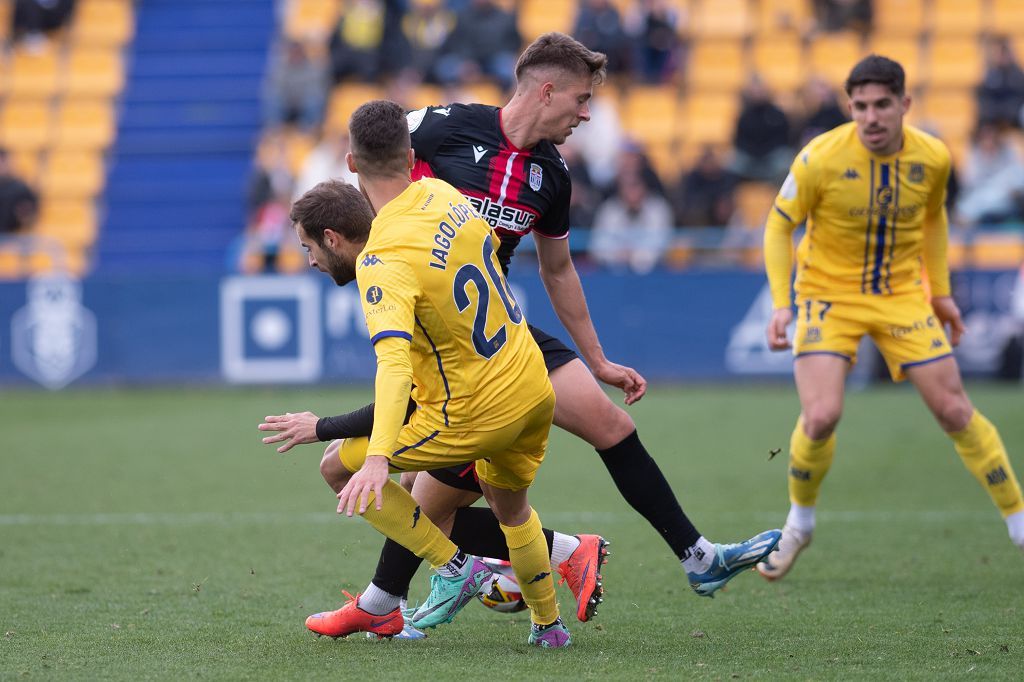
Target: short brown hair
{"x": 379, "y": 136}
{"x": 559, "y": 51}
{"x": 877, "y": 69}
{"x": 335, "y": 205}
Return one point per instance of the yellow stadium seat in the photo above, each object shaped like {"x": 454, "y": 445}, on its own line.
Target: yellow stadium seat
{"x": 709, "y": 118}
{"x": 649, "y": 114}
{"x": 345, "y": 99}
{"x": 34, "y": 73}
{"x": 103, "y": 22}
{"x": 899, "y": 17}
{"x": 311, "y": 19}
{"x": 997, "y": 250}
{"x": 833, "y": 55}
{"x": 25, "y": 125}
{"x": 85, "y": 125}
{"x": 722, "y": 19}
{"x": 5, "y": 23}
{"x": 94, "y": 72}
{"x": 298, "y": 145}
{"x": 753, "y": 201}
{"x": 537, "y": 17}
{"x": 716, "y": 65}
{"x": 427, "y": 95}
{"x": 955, "y": 63}
{"x": 781, "y": 16}
{"x": 955, "y": 17}
{"x": 904, "y": 49}
{"x": 952, "y": 113}
{"x": 5, "y": 68}
{"x": 73, "y": 223}
{"x": 1006, "y": 17}
{"x": 779, "y": 61}
{"x": 72, "y": 175}
{"x": 486, "y": 93}
{"x": 25, "y": 163}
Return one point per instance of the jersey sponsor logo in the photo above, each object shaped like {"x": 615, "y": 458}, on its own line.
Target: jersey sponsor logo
{"x": 851, "y": 174}
{"x": 916, "y": 172}
{"x": 478, "y": 152}
{"x": 444, "y": 111}
{"x": 415, "y": 118}
{"x": 374, "y": 295}
{"x": 504, "y": 217}
{"x": 884, "y": 197}
{"x": 370, "y": 260}
{"x": 536, "y": 177}
{"x": 812, "y": 335}
{"x": 788, "y": 191}
{"x": 901, "y": 213}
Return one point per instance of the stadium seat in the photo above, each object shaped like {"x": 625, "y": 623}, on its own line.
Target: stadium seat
{"x": 72, "y": 175}
{"x": 954, "y": 62}
{"x": 904, "y": 49}
{"x": 73, "y": 223}
{"x": 952, "y": 113}
{"x": 34, "y": 73}
{"x": 716, "y": 65}
{"x": 5, "y": 25}
{"x": 427, "y": 95}
{"x": 298, "y": 145}
{"x": 955, "y": 17}
{"x": 775, "y": 17}
{"x": 833, "y": 55}
{"x": 25, "y": 125}
{"x": 649, "y": 114}
{"x": 997, "y": 250}
{"x": 94, "y": 72}
{"x": 721, "y": 19}
{"x": 779, "y": 61}
{"x": 1007, "y": 17}
{"x": 84, "y": 125}
{"x": 666, "y": 161}
{"x": 26, "y": 163}
{"x": 311, "y": 19}
{"x": 346, "y": 98}
{"x": 537, "y": 17}
{"x": 753, "y": 201}
{"x": 103, "y": 22}
{"x": 709, "y": 118}
{"x": 485, "y": 93}
{"x": 899, "y": 17}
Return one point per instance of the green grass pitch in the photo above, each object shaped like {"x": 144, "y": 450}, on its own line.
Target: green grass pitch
{"x": 147, "y": 534}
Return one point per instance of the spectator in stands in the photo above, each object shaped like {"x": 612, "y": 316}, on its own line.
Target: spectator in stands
{"x": 268, "y": 200}
{"x": 484, "y": 44}
{"x": 633, "y": 160}
{"x": 34, "y": 18}
{"x": 761, "y": 140}
{"x": 704, "y": 195}
{"x": 425, "y": 28}
{"x": 367, "y": 43}
{"x": 296, "y": 88}
{"x": 1001, "y": 92}
{"x": 843, "y": 15}
{"x": 326, "y": 161}
{"x": 599, "y": 142}
{"x": 632, "y": 229}
{"x": 993, "y": 180}
{"x": 585, "y": 196}
{"x": 823, "y": 112}
{"x": 652, "y": 28}
{"x": 18, "y": 202}
{"x": 599, "y": 26}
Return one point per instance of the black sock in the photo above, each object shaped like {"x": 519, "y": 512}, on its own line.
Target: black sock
{"x": 476, "y": 531}
{"x": 396, "y": 568}
{"x": 642, "y": 484}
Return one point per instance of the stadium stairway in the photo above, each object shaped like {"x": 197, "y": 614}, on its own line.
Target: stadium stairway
{"x": 189, "y": 125}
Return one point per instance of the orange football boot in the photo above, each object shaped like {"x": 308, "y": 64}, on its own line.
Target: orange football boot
{"x": 582, "y": 570}
{"x": 350, "y": 618}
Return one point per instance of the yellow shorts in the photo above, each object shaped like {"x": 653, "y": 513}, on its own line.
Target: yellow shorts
{"x": 505, "y": 458}
{"x": 903, "y": 327}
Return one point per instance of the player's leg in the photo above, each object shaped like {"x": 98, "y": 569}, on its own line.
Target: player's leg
{"x": 975, "y": 438}
{"x": 820, "y": 382}
{"x": 586, "y": 411}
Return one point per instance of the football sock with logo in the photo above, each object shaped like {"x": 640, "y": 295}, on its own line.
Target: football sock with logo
{"x": 809, "y": 461}
{"x": 377, "y": 602}
{"x": 532, "y": 567}
{"x": 699, "y": 557}
{"x": 476, "y": 530}
{"x": 455, "y": 567}
{"x": 984, "y": 455}
{"x": 644, "y": 487}
{"x": 402, "y": 521}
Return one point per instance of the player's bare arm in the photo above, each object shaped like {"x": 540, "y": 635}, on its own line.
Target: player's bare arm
{"x": 562, "y": 283}
{"x": 948, "y": 313}
{"x": 777, "y": 326}
{"x": 294, "y": 428}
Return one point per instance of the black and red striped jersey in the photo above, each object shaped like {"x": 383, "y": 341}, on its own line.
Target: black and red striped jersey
{"x": 515, "y": 190}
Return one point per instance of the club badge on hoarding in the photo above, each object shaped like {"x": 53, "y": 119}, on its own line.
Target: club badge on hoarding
{"x": 53, "y": 338}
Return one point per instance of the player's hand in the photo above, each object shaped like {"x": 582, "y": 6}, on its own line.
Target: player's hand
{"x": 781, "y": 317}
{"x": 622, "y": 377}
{"x": 948, "y": 313}
{"x": 296, "y": 429}
{"x": 372, "y": 477}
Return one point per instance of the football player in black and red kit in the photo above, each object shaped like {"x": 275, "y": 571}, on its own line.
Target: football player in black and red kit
{"x": 506, "y": 162}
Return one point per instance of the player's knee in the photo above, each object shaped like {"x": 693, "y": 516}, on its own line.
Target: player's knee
{"x": 331, "y": 468}
{"x": 820, "y": 421}
{"x": 954, "y": 414}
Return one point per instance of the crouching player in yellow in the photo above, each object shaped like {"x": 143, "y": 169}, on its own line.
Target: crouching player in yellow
{"x": 873, "y": 193}
{"x": 446, "y": 327}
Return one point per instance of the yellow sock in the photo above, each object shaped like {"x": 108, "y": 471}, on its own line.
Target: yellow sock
{"x": 982, "y": 451}
{"x": 809, "y": 461}
{"x": 401, "y": 520}
{"x": 528, "y": 551}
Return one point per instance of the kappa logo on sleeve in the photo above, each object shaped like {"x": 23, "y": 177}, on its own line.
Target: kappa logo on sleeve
{"x": 370, "y": 259}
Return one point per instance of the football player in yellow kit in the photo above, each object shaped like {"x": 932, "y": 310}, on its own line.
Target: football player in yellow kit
{"x": 872, "y": 193}
{"x": 445, "y": 327}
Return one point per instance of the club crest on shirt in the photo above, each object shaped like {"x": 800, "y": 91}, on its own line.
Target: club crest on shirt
{"x": 536, "y": 177}
{"x": 916, "y": 172}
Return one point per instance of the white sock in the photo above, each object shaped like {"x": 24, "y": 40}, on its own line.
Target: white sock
{"x": 699, "y": 556}
{"x": 378, "y": 602}
{"x": 801, "y": 518}
{"x": 562, "y": 547}
{"x": 457, "y": 566}
{"x": 1015, "y": 524}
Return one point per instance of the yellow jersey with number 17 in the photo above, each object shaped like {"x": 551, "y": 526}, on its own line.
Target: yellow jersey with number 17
{"x": 871, "y": 220}
{"x": 429, "y": 274}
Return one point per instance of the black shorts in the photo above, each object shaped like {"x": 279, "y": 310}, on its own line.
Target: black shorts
{"x": 556, "y": 354}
